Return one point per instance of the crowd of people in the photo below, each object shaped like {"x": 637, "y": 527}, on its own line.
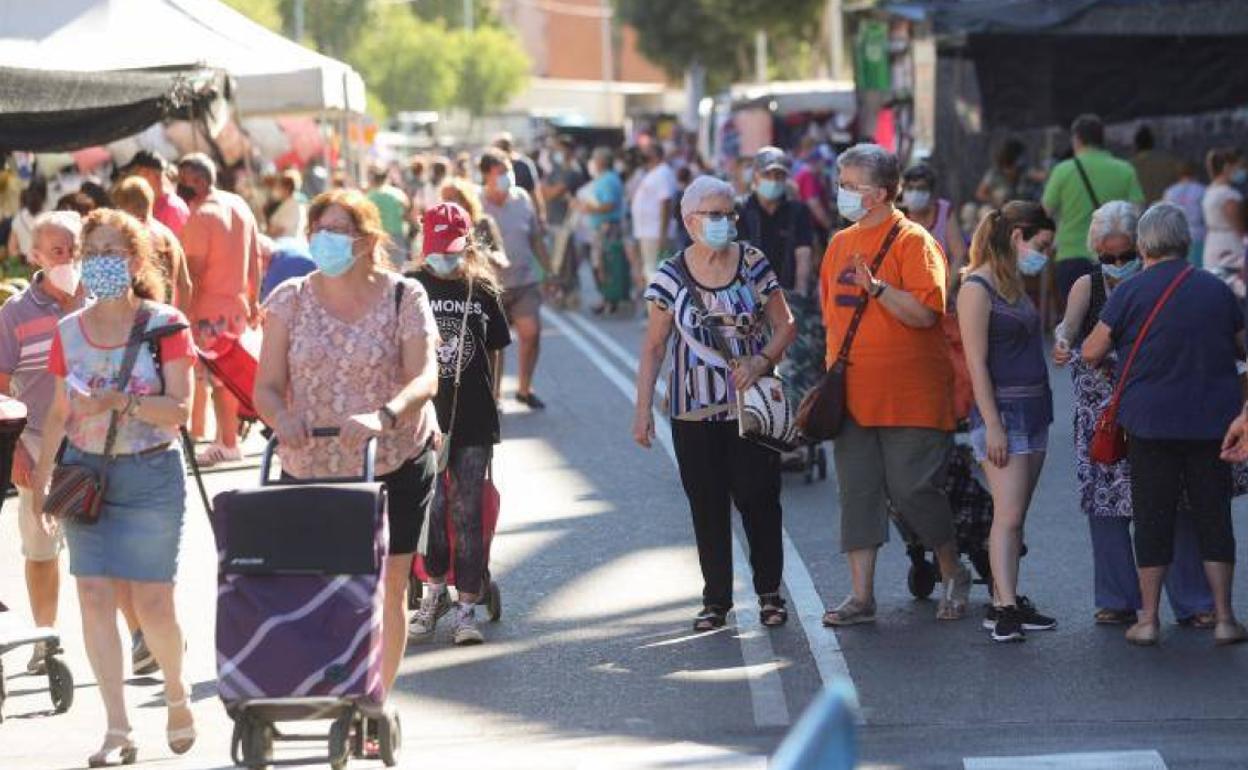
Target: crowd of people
{"x": 385, "y": 312}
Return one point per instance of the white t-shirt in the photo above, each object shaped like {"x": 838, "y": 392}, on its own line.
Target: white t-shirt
{"x": 290, "y": 218}
{"x": 1223, "y": 247}
{"x": 658, "y": 185}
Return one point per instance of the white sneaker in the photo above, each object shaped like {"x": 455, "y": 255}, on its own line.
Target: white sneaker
{"x": 466, "y": 631}
{"x": 217, "y": 454}
{"x": 434, "y": 603}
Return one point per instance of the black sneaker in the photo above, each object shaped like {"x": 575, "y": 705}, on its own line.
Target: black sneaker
{"x": 531, "y": 401}
{"x": 990, "y": 617}
{"x": 1033, "y": 620}
{"x": 1009, "y": 625}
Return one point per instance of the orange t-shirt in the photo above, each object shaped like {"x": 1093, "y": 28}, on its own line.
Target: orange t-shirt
{"x": 222, "y": 244}
{"x": 898, "y": 376}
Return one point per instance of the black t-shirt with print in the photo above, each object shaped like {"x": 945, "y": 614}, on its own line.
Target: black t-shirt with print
{"x": 476, "y": 419}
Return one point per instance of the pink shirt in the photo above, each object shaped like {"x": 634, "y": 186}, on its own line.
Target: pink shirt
{"x": 171, "y": 211}
{"x": 222, "y": 244}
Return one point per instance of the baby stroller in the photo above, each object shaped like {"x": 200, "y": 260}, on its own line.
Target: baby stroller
{"x": 491, "y": 596}
{"x": 801, "y": 370}
{"x": 299, "y": 613}
{"x": 972, "y": 521}
{"x": 14, "y": 635}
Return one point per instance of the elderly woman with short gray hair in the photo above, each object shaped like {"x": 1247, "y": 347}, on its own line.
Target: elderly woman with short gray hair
{"x": 1105, "y": 490}
{"x": 895, "y": 443}
{"x": 718, "y": 287}
{"x": 1174, "y": 439}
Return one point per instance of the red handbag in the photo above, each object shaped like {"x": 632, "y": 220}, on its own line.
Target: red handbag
{"x": 1109, "y": 440}
{"x": 491, "y": 503}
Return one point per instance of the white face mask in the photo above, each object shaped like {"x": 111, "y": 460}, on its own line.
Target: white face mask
{"x": 65, "y": 277}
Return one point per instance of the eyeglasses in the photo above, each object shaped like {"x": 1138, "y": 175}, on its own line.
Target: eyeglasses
{"x": 1117, "y": 259}
{"x": 716, "y": 216}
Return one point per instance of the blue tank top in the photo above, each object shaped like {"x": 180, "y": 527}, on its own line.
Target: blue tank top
{"x": 1016, "y": 363}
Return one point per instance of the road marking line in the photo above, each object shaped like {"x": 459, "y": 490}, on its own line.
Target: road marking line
{"x": 1102, "y": 760}
{"x": 766, "y": 688}
{"x": 824, "y": 644}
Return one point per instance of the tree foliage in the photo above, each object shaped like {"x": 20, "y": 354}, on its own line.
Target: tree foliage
{"x": 406, "y": 62}
{"x": 492, "y": 67}
{"x": 265, "y": 12}
{"x": 333, "y": 26}
{"x": 451, "y": 12}
{"x": 717, "y": 34}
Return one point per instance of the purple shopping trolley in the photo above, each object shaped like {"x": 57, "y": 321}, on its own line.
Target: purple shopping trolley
{"x": 299, "y": 610}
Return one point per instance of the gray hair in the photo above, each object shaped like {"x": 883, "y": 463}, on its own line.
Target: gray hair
{"x": 67, "y": 222}
{"x": 603, "y": 155}
{"x": 1163, "y": 232}
{"x": 882, "y": 167}
{"x": 702, "y": 189}
{"x": 202, "y": 164}
{"x": 1113, "y": 218}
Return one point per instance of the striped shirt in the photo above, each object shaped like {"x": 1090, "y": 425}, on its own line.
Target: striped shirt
{"x": 701, "y": 386}
{"x": 27, "y": 325}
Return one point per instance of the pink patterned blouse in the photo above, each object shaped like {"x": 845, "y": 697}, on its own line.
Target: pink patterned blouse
{"x": 337, "y": 369}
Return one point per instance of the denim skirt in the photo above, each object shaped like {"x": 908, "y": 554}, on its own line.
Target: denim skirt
{"x": 139, "y": 531}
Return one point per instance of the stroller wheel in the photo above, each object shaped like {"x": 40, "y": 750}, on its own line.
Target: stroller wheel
{"x": 922, "y": 579}
{"x": 494, "y": 602}
{"x": 60, "y": 684}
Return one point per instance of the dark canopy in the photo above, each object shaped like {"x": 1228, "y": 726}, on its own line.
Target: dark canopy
{"x": 43, "y": 111}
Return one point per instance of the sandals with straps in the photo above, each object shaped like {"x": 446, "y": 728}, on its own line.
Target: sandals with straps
{"x": 710, "y": 619}
{"x": 772, "y": 611}
{"x": 850, "y": 612}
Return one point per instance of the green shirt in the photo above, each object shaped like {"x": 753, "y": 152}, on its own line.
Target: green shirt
{"x": 1066, "y": 197}
{"x": 393, "y": 208}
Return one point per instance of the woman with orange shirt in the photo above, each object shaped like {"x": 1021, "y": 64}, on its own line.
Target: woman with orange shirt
{"x": 897, "y": 436}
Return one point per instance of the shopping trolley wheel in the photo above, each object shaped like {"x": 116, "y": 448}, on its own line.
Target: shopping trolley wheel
{"x": 340, "y": 744}
{"x": 60, "y": 684}
{"x": 256, "y": 738}
{"x": 922, "y": 579}
{"x": 494, "y": 602}
{"x": 390, "y": 738}
{"x": 414, "y": 590}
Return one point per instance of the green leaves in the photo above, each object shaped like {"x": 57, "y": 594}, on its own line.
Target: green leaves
{"x": 491, "y": 68}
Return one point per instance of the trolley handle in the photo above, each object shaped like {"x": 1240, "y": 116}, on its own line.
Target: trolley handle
{"x": 370, "y": 456}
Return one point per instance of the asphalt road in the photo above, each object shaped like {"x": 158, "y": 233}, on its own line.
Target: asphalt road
{"x": 593, "y": 664}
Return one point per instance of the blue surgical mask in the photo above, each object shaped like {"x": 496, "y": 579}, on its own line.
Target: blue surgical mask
{"x": 771, "y": 189}
{"x": 504, "y": 182}
{"x": 1031, "y": 262}
{"x": 333, "y": 253}
{"x": 849, "y": 203}
{"x": 444, "y": 265}
{"x": 1122, "y": 272}
{"x": 106, "y": 276}
{"x": 718, "y": 233}
{"x": 916, "y": 200}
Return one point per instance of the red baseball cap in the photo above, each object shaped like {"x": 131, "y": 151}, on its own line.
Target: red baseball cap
{"x": 446, "y": 229}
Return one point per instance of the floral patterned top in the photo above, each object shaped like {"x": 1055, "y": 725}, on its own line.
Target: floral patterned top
{"x": 76, "y": 357}
{"x": 337, "y": 369}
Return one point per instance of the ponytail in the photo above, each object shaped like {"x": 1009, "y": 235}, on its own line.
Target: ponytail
{"x": 992, "y": 244}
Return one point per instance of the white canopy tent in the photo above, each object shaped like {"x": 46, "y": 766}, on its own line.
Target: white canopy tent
{"x": 275, "y": 76}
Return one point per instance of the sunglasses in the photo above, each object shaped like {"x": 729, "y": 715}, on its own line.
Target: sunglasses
{"x": 1117, "y": 259}
{"x": 716, "y": 216}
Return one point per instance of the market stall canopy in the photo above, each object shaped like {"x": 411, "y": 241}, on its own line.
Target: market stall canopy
{"x": 1043, "y": 62}
{"x": 788, "y": 97}
{"x": 274, "y": 74}
{"x": 44, "y": 110}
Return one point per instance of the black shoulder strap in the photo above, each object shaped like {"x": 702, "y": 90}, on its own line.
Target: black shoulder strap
{"x": 860, "y": 311}
{"x": 695, "y": 296}
{"x": 399, "y": 288}
{"x": 1087, "y": 184}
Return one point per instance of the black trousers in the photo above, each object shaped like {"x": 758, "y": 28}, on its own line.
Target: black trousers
{"x": 1165, "y": 471}
{"x": 719, "y": 469}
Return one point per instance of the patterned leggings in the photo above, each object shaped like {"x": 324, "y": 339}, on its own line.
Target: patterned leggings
{"x": 462, "y": 502}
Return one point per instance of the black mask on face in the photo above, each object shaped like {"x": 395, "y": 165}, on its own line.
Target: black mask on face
{"x": 186, "y": 192}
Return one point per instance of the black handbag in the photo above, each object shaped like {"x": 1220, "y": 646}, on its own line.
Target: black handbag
{"x": 821, "y": 415}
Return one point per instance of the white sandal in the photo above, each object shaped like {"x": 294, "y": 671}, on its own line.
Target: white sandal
{"x": 124, "y": 753}
{"x": 183, "y": 738}
{"x": 217, "y": 454}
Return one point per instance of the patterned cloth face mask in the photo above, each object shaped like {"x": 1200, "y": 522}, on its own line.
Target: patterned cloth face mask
{"x": 107, "y": 276}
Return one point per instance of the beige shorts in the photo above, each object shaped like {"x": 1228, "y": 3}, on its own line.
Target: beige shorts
{"x": 37, "y": 545}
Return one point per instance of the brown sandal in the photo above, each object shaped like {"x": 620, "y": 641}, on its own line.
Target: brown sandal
{"x": 1106, "y": 617}
{"x": 1201, "y": 621}
{"x": 850, "y": 613}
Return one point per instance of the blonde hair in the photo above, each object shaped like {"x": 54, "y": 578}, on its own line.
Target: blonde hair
{"x": 364, "y": 216}
{"x": 134, "y": 196}
{"x": 146, "y": 280}
{"x": 992, "y": 244}
{"x": 462, "y": 193}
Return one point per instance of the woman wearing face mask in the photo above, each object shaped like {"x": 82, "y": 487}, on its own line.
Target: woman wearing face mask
{"x": 135, "y": 542}
{"x": 1013, "y": 403}
{"x": 464, "y": 294}
{"x": 718, "y": 468}
{"x": 1105, "y": 490}
{"x": 352, "y": 346}
{"x": 918, "y": 198}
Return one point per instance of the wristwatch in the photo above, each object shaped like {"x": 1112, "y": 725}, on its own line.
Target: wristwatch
{"x": 388, "y": 413}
